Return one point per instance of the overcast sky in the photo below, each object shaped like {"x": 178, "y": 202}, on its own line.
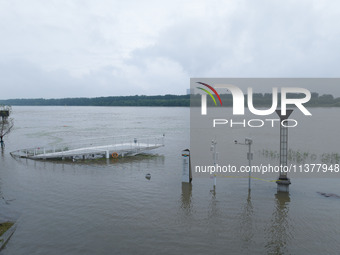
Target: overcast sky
{"x": 77, "y": 48}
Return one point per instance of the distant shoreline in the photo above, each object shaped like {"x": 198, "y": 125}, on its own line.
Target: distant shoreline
{"x": 260, "y": 100}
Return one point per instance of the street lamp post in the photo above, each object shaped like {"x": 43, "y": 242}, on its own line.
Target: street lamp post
{"x": 213, "y": 149}
{"x": 248, "y": 142}
{"x": 283, "y": 181}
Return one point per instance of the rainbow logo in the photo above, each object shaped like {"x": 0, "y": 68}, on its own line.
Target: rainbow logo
{"x": 208, "y": 92}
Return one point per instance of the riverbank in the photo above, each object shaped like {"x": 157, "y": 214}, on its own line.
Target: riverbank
{"x": 6, "y": 231}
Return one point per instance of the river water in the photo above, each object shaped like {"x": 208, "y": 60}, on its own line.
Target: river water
{"x": 109, "y": 207}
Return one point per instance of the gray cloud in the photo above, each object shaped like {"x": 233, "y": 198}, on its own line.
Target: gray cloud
{"x": 83, "y": 48}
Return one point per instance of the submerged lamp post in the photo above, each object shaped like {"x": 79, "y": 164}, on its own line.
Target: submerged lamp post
{"x": 248, "y": 142}
{"x": 283, "y": 182}
{"x": 215, "y": 155}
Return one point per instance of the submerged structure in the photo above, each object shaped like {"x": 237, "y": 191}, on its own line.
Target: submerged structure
{"x": 283, "y": 181}
{"x": 105, "y": 147}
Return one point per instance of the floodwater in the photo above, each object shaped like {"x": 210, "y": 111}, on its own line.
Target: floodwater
{"x": 109, "y": 207}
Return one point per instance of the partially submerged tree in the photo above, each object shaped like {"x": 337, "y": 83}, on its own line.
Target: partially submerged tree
{"x": 6, "y": 123}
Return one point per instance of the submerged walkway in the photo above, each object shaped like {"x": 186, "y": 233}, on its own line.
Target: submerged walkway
{"x": 105, "y": 147}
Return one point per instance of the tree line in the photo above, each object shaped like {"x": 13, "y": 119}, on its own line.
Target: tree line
{"x": 259, "y": 100}
{"x": 265, "y": 100}
{"x": 166, "y": 100}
